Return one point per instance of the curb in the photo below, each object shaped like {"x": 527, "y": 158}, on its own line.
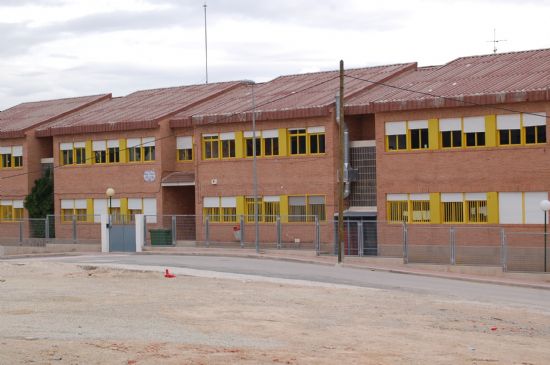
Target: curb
{"x": 450, "y": 276}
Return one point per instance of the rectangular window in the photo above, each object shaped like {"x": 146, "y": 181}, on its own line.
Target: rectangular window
{"x": 135, "y": 206}
{"x": 6, "y": 210}
{"x": 476, "y": 211}
{"x": 249, "y": 209}
{"x": 133, "y": 146}
{"x": 74, "y": 208}
{"x": 211, "y": 209}
{"x": 210, "y": 146}
{"x": 249, "y": 144}
{"x": 451, "y": 132}
{"x": 297, "y": 209}
{"x": 452, "y": 208}
{"x": 418, "y": 133}
{"x": 534, "y": 125}
{"x": 148, "y": 144}
{"x": 228, "y": 144}
{"x": 100, "y": 151}
{"x": 396, "y": 136}
{"x": 66, "y": 153}
{"x": 113, "y": 150}
{"x": 17, "y": 153}
{"x": 474, "y": 130}
{"x": 397, "y": 206}
{"x": 509, "y": 129}
{"x": 316, "y": 208}
{"x": 80, "y": 153}
{"x": 185, "y": 148}
{"x": 316, "y": 136}
{"x": 272, "y": 208}
{"x": 298, "y": 141}
{"x": 6, "y": 157}
{"x": 270, "y": 140}
{"x": 229, "y": 209}
{"x": 420, "y": 208}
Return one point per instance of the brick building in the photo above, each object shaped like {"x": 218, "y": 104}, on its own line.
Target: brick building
{"x": 458, "y": 144}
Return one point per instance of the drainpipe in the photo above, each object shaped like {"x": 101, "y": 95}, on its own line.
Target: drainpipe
{"x": 347, "y": 166}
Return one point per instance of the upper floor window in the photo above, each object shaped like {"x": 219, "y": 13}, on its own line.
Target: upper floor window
{"x": 451, "y": 132}
{"x": 185, "y": 148}
{"x": 210, "y": 146}
{"x": 11, "y": 156}
{"x": 474, "y": 131}
{"x": 106, "y": 151}
{"x": 509, "y": 129}
{"x": 309, "y": 140}
{"x": 73, "y": 153}
{"x": 249, "y": 144}
{"x": 270, "y": 140}
{"x": 418, "y": 133}
{"x": 141, "y": 149}
{"x": 534, "y": 125}
{"x": 396, "y": 136}
{"x": 227, "y": 141}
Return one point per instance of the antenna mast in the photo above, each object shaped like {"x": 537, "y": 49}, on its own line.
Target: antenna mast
{"x": 495, "y": 40}
{"x": 205, "y": 43}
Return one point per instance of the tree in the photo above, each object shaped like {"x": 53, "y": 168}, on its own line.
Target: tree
{"x": 39, "y": 203}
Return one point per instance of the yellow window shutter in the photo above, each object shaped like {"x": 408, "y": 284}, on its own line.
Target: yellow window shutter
{"x": 90, "y": 210}
{"x": 492, "y": 208}
{"x": 490, "y": 130}
{"x": 89, "y": 153}
{"x": 283, "y": 151}
{"x": 239, "y": 147}
{"x": 124, "y": 207}
{"x": 283, "y": 205}
{"x": 435, "y": 207}
{"x": 123, "y": 152}
{"x": 433, "y": 133}
{"x": 240, "y": 206}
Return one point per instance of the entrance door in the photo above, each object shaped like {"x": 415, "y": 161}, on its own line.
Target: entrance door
{"x": 122, "y": 238}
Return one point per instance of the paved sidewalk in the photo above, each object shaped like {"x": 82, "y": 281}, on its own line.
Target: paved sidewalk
{"x": 483, "y": 274}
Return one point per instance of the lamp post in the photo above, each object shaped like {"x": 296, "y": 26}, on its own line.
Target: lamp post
{"x": 110, "y": 192}
{"x": 545, "y": 206}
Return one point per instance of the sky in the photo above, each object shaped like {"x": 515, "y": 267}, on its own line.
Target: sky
{"x": 65, "y": 48}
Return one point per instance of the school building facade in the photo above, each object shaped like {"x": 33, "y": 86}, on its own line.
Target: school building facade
{"x": 459, "y": 144}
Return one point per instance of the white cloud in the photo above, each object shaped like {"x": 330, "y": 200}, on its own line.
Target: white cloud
{"x": 60, "y": 48}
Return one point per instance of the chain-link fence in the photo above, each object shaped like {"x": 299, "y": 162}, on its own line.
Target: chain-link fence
{"x": 283, "y": 232}
{"x": 526, "y": 251}
{"x": 28, "y": 232}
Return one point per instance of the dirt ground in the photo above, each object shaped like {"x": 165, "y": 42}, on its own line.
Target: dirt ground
{"x": 53, "y": 313}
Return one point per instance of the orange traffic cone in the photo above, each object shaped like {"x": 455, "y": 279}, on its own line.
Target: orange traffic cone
{"x": 168, "y": 274}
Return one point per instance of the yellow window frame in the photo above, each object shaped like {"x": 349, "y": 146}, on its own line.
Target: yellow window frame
{"x": 212, "y": 141}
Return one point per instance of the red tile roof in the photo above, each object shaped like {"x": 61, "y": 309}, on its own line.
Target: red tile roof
{"x": 16, "y": 120}
{"x": 139, "y": 110}
{"x": 489, "y": 79}
{"x": 179, "y": 178}
{"x": 293, "y": 96}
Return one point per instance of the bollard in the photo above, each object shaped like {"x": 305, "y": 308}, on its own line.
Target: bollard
{"x": 279, "y": 233}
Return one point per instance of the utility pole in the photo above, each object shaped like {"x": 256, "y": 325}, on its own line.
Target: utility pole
{"x": 341, "y": 167}
{"x": 205, "y": 43}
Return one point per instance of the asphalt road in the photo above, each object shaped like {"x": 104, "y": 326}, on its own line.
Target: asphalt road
{"x": 447, "y": 288}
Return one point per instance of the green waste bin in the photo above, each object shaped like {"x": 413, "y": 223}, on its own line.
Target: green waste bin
{"x": 161, "y": 237}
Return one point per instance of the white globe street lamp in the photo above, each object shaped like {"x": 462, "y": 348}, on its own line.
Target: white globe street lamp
{"x": 110, "y": 192}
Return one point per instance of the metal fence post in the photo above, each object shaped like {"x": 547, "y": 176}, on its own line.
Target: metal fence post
{"x": 453, "y": 246}
{"x": 360, "y": 239}
{"x": 503, "y": 251}
{"x": 21, "y": 231}
{"x": 405, "y": 244}
{"x": 74, "y": 229}
{"x": 279, "y": 232}
{"x": 47, "y": 228}
{"x": 174, "y": 239}
{"x": 207, "y": 232}
{"x": 317, "y": 236}
{"x": 335, "y": 225}
{"x": 241, "y": 224}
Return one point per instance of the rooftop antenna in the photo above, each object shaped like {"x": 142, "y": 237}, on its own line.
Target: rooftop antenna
{"x": 495, "y": 40}
{"x": 205, "y": 42}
